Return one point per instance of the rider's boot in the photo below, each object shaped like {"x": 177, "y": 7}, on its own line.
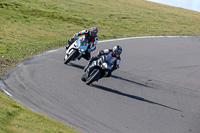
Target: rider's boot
{"x": 79, "y": 58}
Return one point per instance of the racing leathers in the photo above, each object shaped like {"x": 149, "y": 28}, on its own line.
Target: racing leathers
{"x": 110, "y": 58}
{"x": 92, "y": 40}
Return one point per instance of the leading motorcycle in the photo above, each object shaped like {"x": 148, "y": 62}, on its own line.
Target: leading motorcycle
{"x": 76, "y": 50}
{"x": 97, "y": 69}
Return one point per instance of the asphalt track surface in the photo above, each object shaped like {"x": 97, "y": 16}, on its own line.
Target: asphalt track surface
{"x": 156, "y": 89}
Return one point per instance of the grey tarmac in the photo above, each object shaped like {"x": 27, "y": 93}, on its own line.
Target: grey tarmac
{"x": 156, "y": 89}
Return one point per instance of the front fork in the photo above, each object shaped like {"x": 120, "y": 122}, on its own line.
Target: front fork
{"x": 89, "y": 70}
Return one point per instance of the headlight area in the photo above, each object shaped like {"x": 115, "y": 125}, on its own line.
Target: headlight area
{"x": 81, "y": 50}
{"x": 75, "y": 45}
{"x": 105, "y": 65}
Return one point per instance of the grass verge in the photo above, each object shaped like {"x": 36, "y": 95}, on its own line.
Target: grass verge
{"x": 15, "y": 118}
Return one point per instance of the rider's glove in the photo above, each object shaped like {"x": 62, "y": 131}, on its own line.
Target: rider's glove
{"x": 100, "y": 53}
{"x": 75, "y": 35}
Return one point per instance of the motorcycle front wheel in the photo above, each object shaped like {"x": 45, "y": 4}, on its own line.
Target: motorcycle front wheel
{"x": 95, "y": 74}
{"x": 71, "y": 56}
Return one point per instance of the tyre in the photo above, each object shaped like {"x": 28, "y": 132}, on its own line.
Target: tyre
{"x": 70, "y": 57}
{"x": 94, "y": 76}
{"x": 83, "y": 78}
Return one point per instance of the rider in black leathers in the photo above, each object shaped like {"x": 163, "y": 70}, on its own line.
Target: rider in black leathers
{"x": 113, "y": 56}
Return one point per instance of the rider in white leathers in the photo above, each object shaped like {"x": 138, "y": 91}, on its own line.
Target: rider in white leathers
{"x": 88, "y": 35}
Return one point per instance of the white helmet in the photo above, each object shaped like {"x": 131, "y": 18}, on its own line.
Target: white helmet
{"x": 117, "y": 50}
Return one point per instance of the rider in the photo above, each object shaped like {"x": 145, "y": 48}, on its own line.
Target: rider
{"x": 112, "y": 54}
{"x": 88, "y": 35}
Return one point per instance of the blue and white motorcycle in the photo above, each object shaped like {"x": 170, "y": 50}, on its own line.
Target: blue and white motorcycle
{"x": 76, "y": 50}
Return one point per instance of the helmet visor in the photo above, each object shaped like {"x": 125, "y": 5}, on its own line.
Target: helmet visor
{"x": 93, "y": 33}
{"x": 118, "y": 52}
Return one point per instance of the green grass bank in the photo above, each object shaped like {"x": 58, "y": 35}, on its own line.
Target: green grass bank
{"x": 15, "y": 118}
{"x": 30, "y": 27}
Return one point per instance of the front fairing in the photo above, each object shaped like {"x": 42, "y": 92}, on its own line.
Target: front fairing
{"x": 99, "y": 64}
{"x": 104, "y": 59}
{"x": 79, "y": 44}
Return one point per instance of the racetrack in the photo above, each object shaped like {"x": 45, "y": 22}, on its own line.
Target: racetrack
{"x": 156, "y": 89}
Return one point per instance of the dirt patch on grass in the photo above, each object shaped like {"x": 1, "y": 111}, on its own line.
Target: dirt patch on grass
{"x": 5, "y": 65}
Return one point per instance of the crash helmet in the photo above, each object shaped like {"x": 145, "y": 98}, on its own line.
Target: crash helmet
{"x": 93, "y": 31}
{"x": 117, "y": 50}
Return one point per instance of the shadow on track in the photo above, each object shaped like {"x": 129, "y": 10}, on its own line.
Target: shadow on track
{"x": 131, "y": 96}
{"x": 77, "y": 66}
{"x": 113, "y": 76}
{"x": 130, "y": 81}
{"x": 124, "y": 94}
